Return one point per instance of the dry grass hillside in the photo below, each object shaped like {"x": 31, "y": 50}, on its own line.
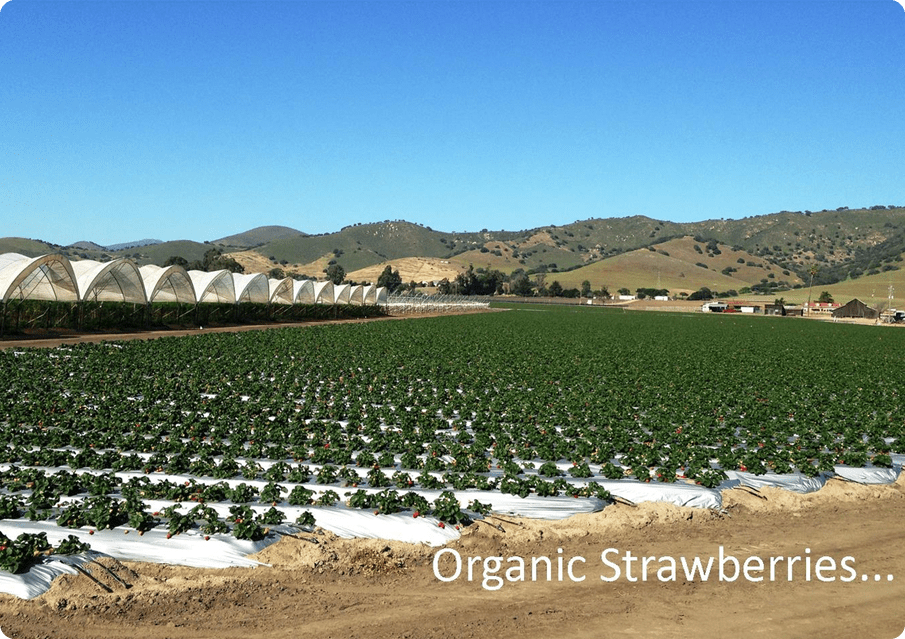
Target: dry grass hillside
{"x": 675, "y": 265}
{"x": 254, "y": 262}
{"x": 871, "y": 289}
{"x": 645, "y": 269}
{"x": 411, "y": 269}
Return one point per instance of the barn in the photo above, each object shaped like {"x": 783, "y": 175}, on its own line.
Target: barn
{"x": 856, "y": 308}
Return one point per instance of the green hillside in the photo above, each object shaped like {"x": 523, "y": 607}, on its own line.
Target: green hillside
{"x": 841, "y": 244}
{"x": 257, "y": 236}
{"x": 27, "y": 247}
{"x": 362, "y": 245}
{"x": 160, "y": 253}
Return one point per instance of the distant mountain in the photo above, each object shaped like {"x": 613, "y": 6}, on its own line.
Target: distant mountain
{"x": 778, "y": 248}
{"x": 86, "y": 246}
{"x": 137, "y": 244}
{"x": 258, "y": 236}
{"x": 840, "y": 243}
{"x": 362, "y": 245}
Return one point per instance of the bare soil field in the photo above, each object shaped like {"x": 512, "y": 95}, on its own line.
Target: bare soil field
{"x": 378, "y": 589}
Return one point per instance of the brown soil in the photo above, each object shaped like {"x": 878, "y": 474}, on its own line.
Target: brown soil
{"x": 376, "y": 589}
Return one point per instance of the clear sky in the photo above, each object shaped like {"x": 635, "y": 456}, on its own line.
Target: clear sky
{"x": 196, "y": 120}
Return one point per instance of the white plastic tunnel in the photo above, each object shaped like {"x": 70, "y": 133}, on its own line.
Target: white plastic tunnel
{"x": 48, "y": 277}
{"x": 303, "y": 292}
{"x": 167, "y": 284}
{"x": 118, "y": 280}
{"x": 213, "y": 287}
{"x": 251, "y": 287}
{"x": 342, "y": 294}
{"x": 324, "y": 292}
{"x": 280, "y": 291}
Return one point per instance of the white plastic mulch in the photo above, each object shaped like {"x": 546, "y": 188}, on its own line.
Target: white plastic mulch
{"x": 223, "y": 550}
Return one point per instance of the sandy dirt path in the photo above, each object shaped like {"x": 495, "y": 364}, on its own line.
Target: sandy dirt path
{"x": 376, "y": 590}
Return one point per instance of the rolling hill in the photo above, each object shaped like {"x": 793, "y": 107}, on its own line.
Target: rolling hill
{"x": 27, "y": 247}
{"x": 847, "y": 247}
{"x": 678, "y": 265}
{"x": 258, "y": 236}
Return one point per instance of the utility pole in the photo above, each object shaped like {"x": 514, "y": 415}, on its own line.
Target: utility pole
{"x": 813, "y": 271}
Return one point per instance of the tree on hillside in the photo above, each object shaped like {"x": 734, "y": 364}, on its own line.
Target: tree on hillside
{"x": 215, "y": 260}
{"x": 702, "y": 293}
{"x": 641, "y": 293}
{"x": 586, "y": 288}
{"x": 540, "y": 282}
{"x": 479, "y": 282}
{"x": 555, "y": 289}
{"x": 519, "y": 284}
{"x": 825, "y": 298}
{"x": 176, "y": 260}
{"x": 390, "y": 279}
{"x": 335, "y": 273}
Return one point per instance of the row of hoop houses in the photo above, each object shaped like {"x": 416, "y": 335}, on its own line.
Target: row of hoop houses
{"x": 54, "y": 277}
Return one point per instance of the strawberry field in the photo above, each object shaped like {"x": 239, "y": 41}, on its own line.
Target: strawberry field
{"x": 425, "y": 425}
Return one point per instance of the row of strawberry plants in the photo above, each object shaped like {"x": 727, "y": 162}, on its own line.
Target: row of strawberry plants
{"x": 661, "y": 396}
{"x": 16, "y": 555}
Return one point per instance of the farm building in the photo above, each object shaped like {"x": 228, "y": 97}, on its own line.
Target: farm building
{"x": 742, "y": 306}
{"x": 820, "y": 308}
{"x": 785, "y": 311}
{"x": 856, "y": 308}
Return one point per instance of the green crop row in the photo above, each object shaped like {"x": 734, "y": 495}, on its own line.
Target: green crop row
{"x": 525, "y": 401}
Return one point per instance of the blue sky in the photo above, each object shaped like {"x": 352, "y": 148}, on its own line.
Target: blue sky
{"x": 196, "y": 120}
